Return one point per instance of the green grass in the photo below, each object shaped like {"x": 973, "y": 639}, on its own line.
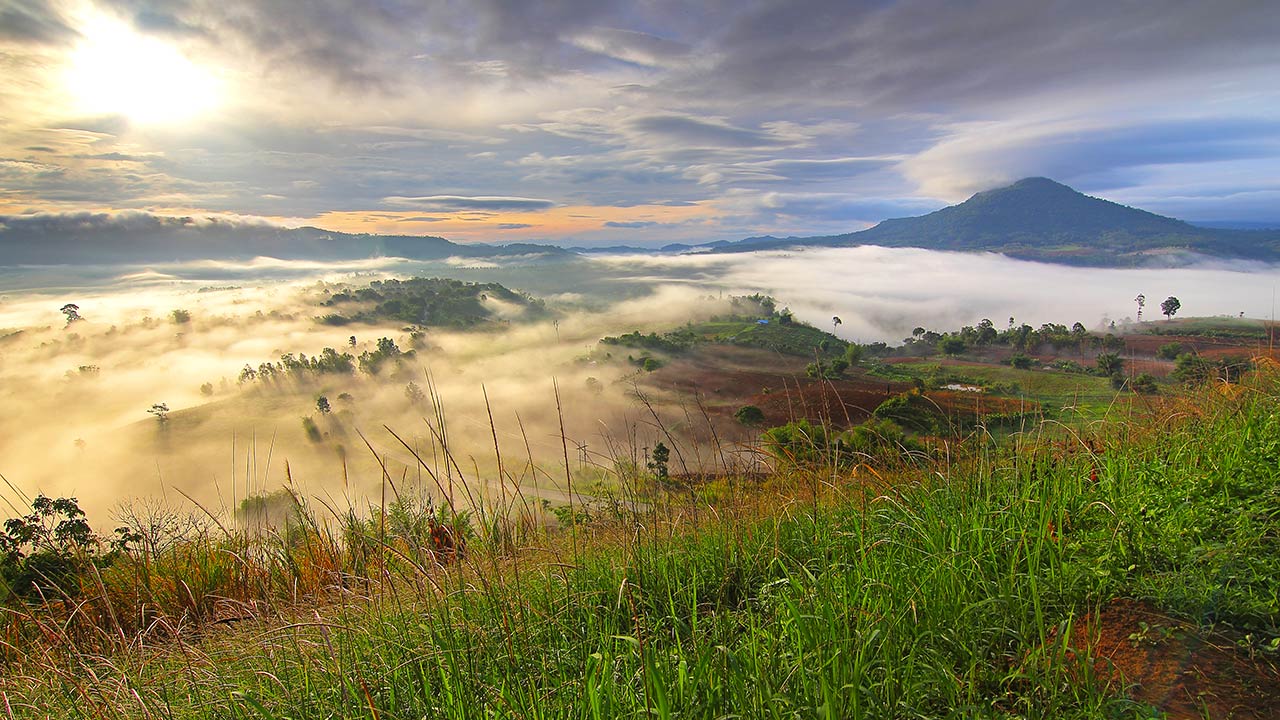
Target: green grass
{"x": 789, "y": 339}
{"x": 945, "y": 592}
{"x": 1062, "y": 394}
{"x": 1238, "y": 328}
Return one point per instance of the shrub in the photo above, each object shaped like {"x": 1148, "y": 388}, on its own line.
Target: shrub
{"x": 313, "y": 432}
{"x": 1144, "y": 383}
{"x": 1023, "y": 361}
{"x": 46, "y": 551}
{"x": 749, "y": 415}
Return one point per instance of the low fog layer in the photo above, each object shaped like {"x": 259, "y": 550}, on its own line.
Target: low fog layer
{"x": 80, "y": 395}
{"x": 77, "y": 394}
{"x": 880, "y": 294}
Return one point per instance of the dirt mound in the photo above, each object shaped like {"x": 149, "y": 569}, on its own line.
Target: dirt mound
{"x": 1170, "y": 665}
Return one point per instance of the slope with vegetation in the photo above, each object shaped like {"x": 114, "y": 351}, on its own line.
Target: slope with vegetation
{"x": 866, "y": 576}
{"x": 428, "y": 302}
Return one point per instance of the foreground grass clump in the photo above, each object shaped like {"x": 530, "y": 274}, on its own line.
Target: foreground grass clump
{"x": 947, "y": 591}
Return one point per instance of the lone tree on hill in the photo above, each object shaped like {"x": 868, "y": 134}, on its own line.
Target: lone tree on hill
{"x": 1170, "y": 307}
{"x": 161, "y": 411}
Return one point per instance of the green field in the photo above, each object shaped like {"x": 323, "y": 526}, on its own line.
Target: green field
{"x": 1052, "y": 387}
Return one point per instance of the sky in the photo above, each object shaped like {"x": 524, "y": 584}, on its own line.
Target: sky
{"x": 595, "y": 122}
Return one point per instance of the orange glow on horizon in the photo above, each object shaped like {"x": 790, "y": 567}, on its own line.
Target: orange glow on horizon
{"x": 556, "y": 224}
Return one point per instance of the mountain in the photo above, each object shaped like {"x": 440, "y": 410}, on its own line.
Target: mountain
{"x": 86, "y": 238}
{"x": 1039, "y": 219}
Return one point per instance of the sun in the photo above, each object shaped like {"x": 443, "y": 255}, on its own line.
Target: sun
{"x": 117, "y": 71}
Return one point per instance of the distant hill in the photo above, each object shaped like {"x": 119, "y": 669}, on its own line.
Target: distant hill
{"x": 1039, "y": 219}
{"x": 87, "y": 238}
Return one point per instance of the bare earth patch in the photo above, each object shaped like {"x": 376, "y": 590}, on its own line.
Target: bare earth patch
{"x": 1169, "y": 664}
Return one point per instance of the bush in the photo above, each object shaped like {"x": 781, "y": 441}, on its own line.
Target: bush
{"x": 912, "y": 411}
{"x": 1022, "y": 361}
{"x": 1144, "y": 383}
{"x": 1171, "y": 351}
{"x": 749, "y": 415}
{"x": 827, "y": 369}
{"x": 313, "y": 432}
{"x": 46, "y": 552}
{"x": 804, "y": 444}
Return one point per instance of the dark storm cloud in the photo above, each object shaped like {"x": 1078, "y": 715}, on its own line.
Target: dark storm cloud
{"x": 929, "y": 55}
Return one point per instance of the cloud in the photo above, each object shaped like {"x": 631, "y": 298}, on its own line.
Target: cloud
{"x": 979, "y": 156}
{"x": 699, "y": 132}
{"x": 513, "y": 226}
{"x": 913, "y": 54}
{"x": 448, "y": 203}
{"x": 56, "y": 225}
{"x": 632, "y": 224}
{"x": 439, "y": 106}
{"x": 631, "y": 46}
{"x": 33, "y": 22}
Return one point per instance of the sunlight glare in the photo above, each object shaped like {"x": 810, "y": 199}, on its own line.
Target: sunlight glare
{"x": 115, "y": 70}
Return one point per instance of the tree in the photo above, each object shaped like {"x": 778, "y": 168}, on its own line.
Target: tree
{"x": 322, "y": 404}
{"x": 351, "y": 341}
{"x": 853, "y": 353}
{"x": 42, "y": 554}
{"x": 1109, "y": 364}
{"x": 161, "y": 411}
{"x": 658, "y": 461}
{"x": 1170, "y": 306}
{"x": 180, "y": 316}
{"x": 835, "y": 322}
{"x": 986, "y": 332}
{"x": 72, "y": 311}
{"x": 917, "y": 332}
{"x": 414, "y": 393}
{"x": 951, "y": 345}
{"x": 1142, "y": 302}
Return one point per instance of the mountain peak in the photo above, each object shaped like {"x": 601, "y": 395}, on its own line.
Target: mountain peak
{"x": 1038, "y": 218}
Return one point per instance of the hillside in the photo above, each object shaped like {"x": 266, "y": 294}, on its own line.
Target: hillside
{"x": 1039, "y": 219}
{"x": 1109, "y": 573}
{"x": 99, "y": 238}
